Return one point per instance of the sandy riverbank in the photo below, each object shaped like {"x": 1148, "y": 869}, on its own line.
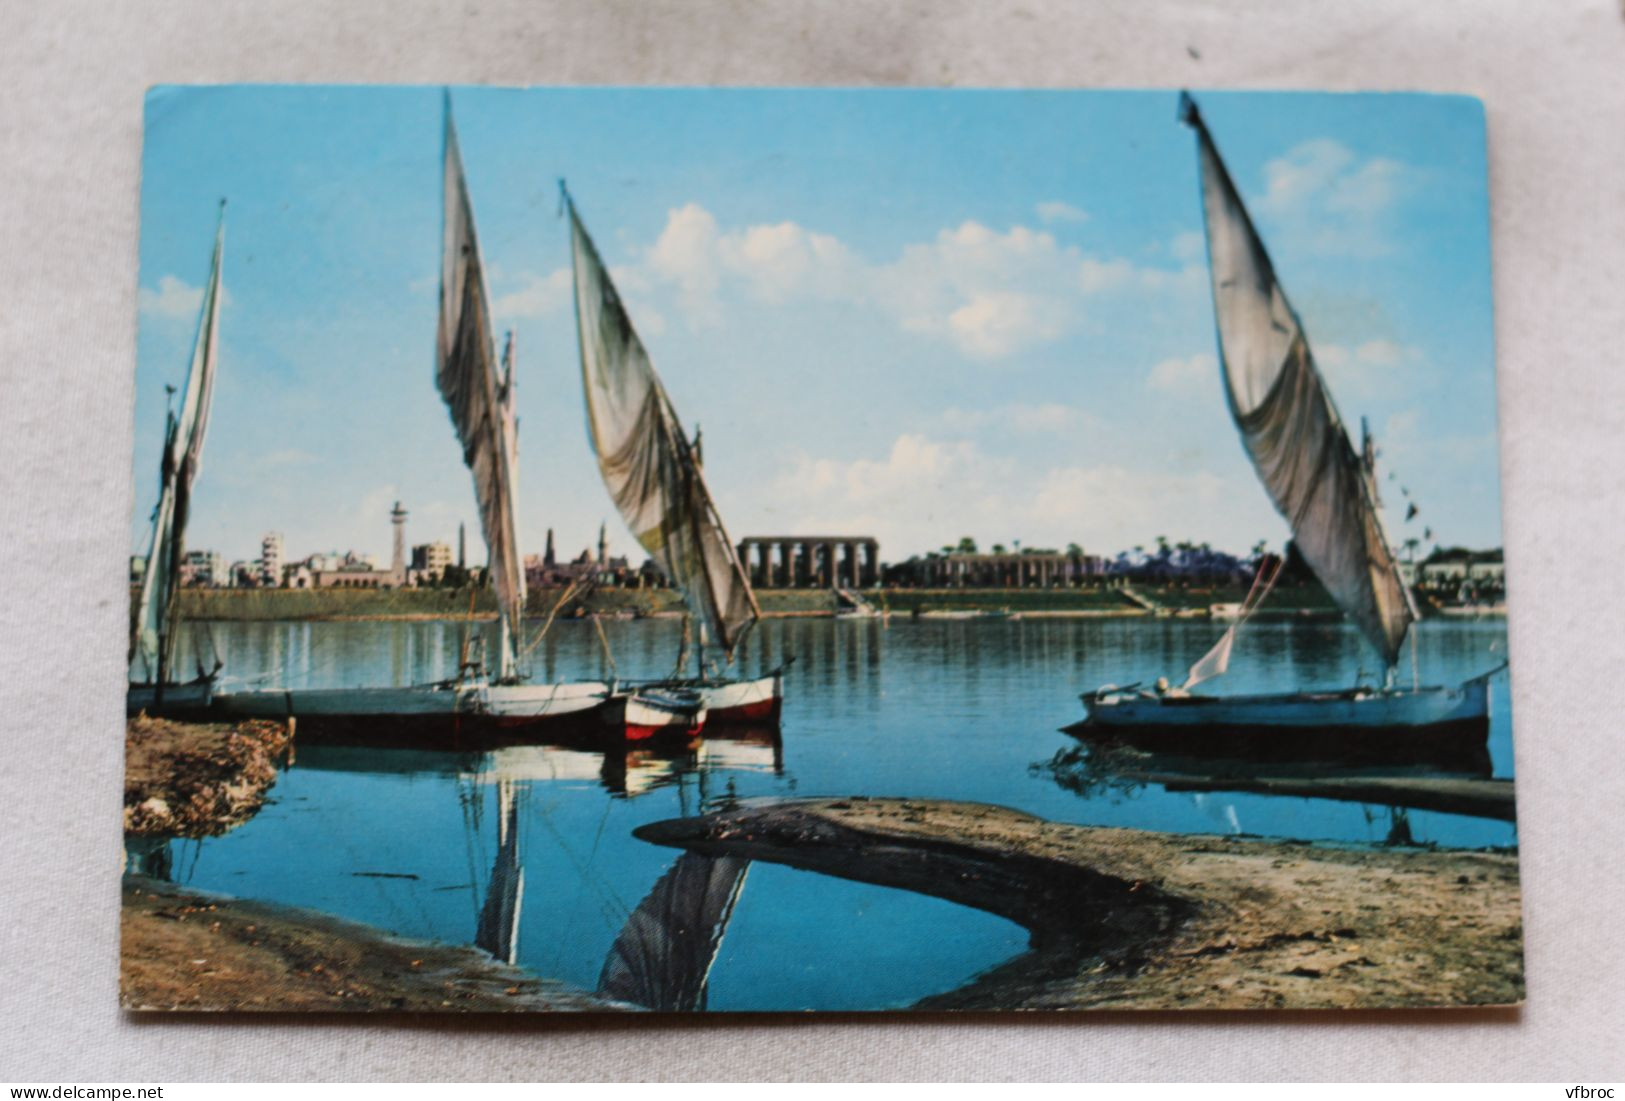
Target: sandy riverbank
{"x": 196, "y": 951}
{"x": 1126, "y": 919}
{"x": 197, "y": 779}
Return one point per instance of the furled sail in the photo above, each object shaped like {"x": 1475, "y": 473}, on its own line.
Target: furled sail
{"x": 1288, "y": 421}
{"x": 651, "y": 468}
{"x": 152, "y": 639}
{"x": 480, "y": 396}
{"x": 662, "y": 958}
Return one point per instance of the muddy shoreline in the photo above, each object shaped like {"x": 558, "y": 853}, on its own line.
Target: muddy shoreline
{"x": 195, "y": 951}
{"x": 1127, "y": 919}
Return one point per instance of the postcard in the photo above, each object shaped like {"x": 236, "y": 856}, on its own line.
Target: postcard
{"x": 696, "y": 550}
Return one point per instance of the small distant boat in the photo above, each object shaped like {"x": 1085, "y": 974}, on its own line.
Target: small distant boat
{"x": 153, "y": 688}
{"x": 1326, "y": 490}
{"x": 654, "y": 474}
{"x": 1225, "y": 611}
{"x": 645, "y": 714}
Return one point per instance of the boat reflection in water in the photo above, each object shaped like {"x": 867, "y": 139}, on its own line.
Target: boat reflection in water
{"x": 1462, "y": 786}
{"x": 662, "y": 958}
{"x": 621, "y": 770}
{"x": 498, "y": 928}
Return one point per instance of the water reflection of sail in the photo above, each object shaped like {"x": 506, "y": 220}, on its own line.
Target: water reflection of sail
{"x": 498, "y": 928}
{"x": 663, "y": 956}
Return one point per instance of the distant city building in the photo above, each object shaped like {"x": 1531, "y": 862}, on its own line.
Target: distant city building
{"x": 271, "y": 559}
{"x": 203, "y": 568}
{"x": 1456, "y": 573}
{"x": 354, "y": 571}
{"x": 546, "y": 572}
{"x": 246, "y": 574}
{"x": 429, "y": 561}
{"x": 811, "y": 561}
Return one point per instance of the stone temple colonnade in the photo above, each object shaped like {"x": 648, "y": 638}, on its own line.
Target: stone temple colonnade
{"x": 811, "y": 561}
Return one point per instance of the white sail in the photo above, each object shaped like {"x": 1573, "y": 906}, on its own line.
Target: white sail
{"x": 650, "y": 466}
{"x": 1214, "y": 663}
{"x": 1288, "y": 421}
{"x": 480, "y": 397}
{"x": 152, "y": 638}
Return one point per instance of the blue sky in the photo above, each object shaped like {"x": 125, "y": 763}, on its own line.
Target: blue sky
{"x": 912, "y": 314}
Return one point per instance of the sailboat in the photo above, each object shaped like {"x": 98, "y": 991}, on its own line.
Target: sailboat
{"x": 153, "y": 629}
{"x": 1326, "y": 491}
{"x": 653, "y": 472}
{"x": 480, "y": 397}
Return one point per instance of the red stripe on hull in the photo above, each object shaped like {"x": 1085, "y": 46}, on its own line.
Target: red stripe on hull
{"x": 762, "y": 711}
{"x": 636, "y": 732}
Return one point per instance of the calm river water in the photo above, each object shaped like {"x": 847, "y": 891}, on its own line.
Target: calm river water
{"x": 406, "y": 840}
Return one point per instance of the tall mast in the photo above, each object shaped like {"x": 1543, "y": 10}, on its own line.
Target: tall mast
{"x": 479, "y": 394}
{"x": 152, "y": 638}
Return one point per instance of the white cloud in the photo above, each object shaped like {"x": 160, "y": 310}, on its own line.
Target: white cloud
{"x": 1184, "y": 377}
{"x": 534, "y": 296}
{"x": 1057, "y": 211}
{"x": 686, "y": 254}
{"x": 992, "y": 294}
{"x": 771, "y": 262}
{"x": 1325, "y": 199}
{"x": 1016, "y": 417}
{"x": 175, "y": 299}
{"x": 1365, "y": 368}
{"x": 996, "y": 324}
{"x": 926, "y": 492}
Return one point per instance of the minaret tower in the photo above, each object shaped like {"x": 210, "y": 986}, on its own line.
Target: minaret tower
{"x": 603, "y": 545}
{"x": 397, "y": 565}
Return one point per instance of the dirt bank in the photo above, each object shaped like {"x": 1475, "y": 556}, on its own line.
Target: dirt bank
{"x": 191, "y": 950}
{"x": 1125, "y": 919}
{"x": 197, "y": 779}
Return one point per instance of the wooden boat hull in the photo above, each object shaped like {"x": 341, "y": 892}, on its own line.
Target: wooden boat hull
{"x": 521, "y": 704}
{"x": 429, "y": 714}
{"x": 188, "y": 700}
{"x": 759, "y": 700}
{"x": 649, "y": 715}
{"x": 1438, "y": 724}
